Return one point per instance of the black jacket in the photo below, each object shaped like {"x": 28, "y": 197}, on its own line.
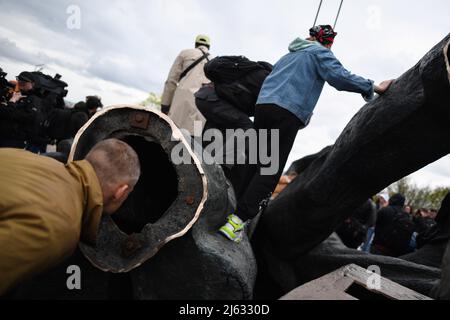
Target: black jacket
{"x": 393, "y": 229}
{"x": 17, "y": 120}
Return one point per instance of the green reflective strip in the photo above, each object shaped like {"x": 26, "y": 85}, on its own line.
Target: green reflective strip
{"x": 235, "y": 225}
{"x": 228, "y": 232}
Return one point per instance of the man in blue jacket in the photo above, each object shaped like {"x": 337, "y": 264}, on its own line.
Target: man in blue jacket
{"x": 286, "y": 103}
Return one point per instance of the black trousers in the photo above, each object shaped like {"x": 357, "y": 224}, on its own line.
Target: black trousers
{"x": 259, "y": 186}
{"x": 219, "y": 113}
{"x": 222, "y": 115}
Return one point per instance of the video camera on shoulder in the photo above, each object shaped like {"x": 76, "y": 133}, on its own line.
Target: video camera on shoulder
{"x": 46, "y": 84}
{"x": 50, "y": 89}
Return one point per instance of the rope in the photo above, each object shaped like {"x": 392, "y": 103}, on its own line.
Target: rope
{"x": 317, "y": 15}
{"x": 338, "y": 15}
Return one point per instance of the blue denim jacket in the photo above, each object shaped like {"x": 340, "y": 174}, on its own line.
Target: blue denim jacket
{"x": 297, "y": 79}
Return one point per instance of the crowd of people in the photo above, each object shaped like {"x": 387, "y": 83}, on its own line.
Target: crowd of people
{"x": 387, "y": 226}
{"x": 34, "y": 114}
{"x": 383, "y": 225}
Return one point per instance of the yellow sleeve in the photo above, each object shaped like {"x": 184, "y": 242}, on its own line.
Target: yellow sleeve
{"x": 27, "y": 247}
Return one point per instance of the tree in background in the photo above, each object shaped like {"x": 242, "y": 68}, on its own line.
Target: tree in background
{"x": 417, "y": 197}
{"x": 153, "y": 100}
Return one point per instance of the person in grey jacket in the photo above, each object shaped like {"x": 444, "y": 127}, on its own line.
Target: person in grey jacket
{"x": 286, "y": 103}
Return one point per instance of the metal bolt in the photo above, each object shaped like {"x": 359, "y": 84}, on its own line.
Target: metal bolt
{"x": 189, "y": 200}
{"x": 139, "y": 118}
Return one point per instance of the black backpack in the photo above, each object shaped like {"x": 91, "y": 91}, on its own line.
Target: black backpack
{"x": 238, "y": 80}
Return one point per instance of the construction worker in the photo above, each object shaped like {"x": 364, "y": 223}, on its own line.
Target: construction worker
{"x": 185, "y": 78}
{"x": 286, "y": 103}
{"x": 46, "y": 206}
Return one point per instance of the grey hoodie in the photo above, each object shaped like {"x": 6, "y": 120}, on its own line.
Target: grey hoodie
{"x": 300, "y": 44}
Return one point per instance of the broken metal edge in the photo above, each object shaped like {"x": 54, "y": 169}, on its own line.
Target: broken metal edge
{"x": 176, "y": 134}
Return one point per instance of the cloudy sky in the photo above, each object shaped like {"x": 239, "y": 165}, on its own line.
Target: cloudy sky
{"x": 121, "y": 50}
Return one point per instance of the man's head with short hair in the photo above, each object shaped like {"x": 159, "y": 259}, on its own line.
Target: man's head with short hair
{"x": 397, "y": 200}
{"x": 93, "y": 103}
{"x": 118, "y": 169}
